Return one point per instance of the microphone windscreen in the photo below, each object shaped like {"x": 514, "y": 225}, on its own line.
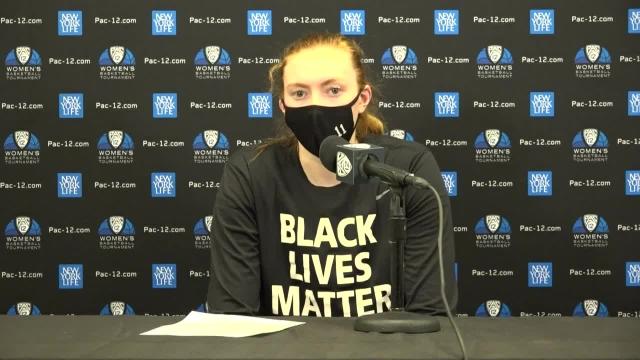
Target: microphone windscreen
{"x": 329, "y": 151}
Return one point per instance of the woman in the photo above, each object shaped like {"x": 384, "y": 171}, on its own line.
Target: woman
{"x": 288, "y": 238}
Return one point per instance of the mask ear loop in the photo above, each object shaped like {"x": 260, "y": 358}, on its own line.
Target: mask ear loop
{"x": 355, "y": 126}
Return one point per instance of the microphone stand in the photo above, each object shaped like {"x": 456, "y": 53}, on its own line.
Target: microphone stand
{"x": 397, "y": 320}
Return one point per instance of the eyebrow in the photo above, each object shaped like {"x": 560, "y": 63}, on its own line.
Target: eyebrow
{"x": 329, "y": 81}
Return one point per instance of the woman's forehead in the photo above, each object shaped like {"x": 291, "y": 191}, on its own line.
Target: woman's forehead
{"x": 313, "y": 66}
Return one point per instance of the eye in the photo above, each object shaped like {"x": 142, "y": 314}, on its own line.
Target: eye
{"x": 297, "y": 94}
{"x": 334, "y": 90}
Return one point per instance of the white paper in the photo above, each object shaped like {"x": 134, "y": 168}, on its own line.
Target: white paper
{"x": 205, "y": 324}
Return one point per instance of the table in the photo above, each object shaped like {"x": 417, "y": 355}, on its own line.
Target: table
{"x": 116, "y": 337}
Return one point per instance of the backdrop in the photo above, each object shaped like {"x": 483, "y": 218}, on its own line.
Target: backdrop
{"x": 117, "y": 118}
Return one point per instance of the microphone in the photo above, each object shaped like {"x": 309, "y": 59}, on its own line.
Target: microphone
{"x": 356, "y": 163}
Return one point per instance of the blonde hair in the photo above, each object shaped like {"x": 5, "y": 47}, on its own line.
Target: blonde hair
{"x": 369, "y": 122}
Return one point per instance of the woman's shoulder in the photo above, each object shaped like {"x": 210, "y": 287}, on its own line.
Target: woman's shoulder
{"x": 259, "y": 157}
{"x": 398, "y": 152}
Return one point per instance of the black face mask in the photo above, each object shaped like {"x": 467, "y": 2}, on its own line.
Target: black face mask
{"x": 313, "y": 123}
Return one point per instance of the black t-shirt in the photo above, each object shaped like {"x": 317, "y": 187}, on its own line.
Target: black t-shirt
{"x": 283, "y": 246}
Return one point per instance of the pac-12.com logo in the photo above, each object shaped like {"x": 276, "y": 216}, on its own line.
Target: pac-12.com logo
{"x": 115, "y": 147}
{"x": 23, "y": 233}
{"x": 401, "y": 134}
{"x": 494, "y": 62}
{"x": 590, "y": 145}
{"x": 210, "y": 147}
{"x": 493, "y": 231}
{"x": 590, "y": 230}
{"x": 23, "y": 63}
{"x": 593, "y": 61}
{"x": 493, "y": 146}
{"x": 590, "y": 307}
{"x": 117, "y": 63}
{"x": 24, "y": 308}
{"x": 21, "y": 148}
{"x": 493, "y": 308}
{"x": 212, "y": 62}
{"x": 202, "y": 231}
{"x": 117, "y": 308}
{"x": 399, "y": 62}
{"x": 116, "y": 232}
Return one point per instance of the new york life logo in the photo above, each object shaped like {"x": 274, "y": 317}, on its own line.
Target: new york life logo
{"x": 493, "y": 146}
{"x": 399, "y": 62}
{"x": 71, "y": 105}
{"x": 540, "y": 183}
{"x": 352, "y": 22}
{"x": 590, "y": 231}
{"x": 69, "y": 185}
{"x": 450, "y": 179}
{"x": 633, "y": 23}
{"x": 69, "y": 23}
{"x": 633, "y": 103}
{"x": 165, "y": 105}
{"x": 589, "y": 308}
{"x": 210, "y": 147}
{"x": 22, "y": 234}
{"x": 116, "y": 233}
{"x": 115, "y": 147}
{"x": 164, "y": 276}
{"x": 446, "y": 104}
{"x": 446, "y": 22}
{"x": 541, "y": 104}
{"x": 632, "y": 182}
{"x": 23, "y": 63}
{"x": 212, "y": 62}
{"x": 593, "y": 62}
{"x": 632, "y": 273}
{"x": 493, "y": 308}
{"x": 21, "y": 147}
{"x": 117, "y": 308}
{"x": 70, "y": 276}
{"x": 202, "y": 231}
{"x": 163, "y": 184}
{"x": 163, "y": 23}
{"x": 540, "y": 274}
{"x": 259, "y": 22}
{"x": 493, "y": 231}
{"x": 259, "y": 105}
{"x": 24, "y": 308}
{"x": 401, "y": 134}
{"x": 541, "y": 21}
{"x": 494, "y": 62}
{"x": 590, "y": 145}
{"x": 117, "y": 63}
